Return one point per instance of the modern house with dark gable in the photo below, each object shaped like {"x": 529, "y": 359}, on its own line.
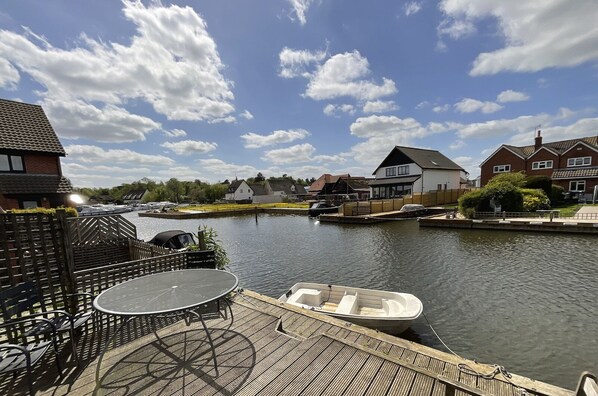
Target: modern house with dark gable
{"x": 30, "y": 171}
{"x": 571, "y": 164}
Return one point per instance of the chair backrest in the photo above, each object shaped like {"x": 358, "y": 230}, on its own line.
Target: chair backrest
{"x": 18, "y": 299}
{"x": 588, "y": 385}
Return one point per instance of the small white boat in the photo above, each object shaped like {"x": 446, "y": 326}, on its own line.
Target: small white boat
{"x": 386, "y": 311}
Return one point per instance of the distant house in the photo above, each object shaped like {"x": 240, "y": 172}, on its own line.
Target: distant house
{"x": 316, "y": 187}
{"x": 286, "y": 189}
{"x": 239, "y": 190}
{"x": 406, "y": 170}
{"x": 571, "y": 164}
{"x": 346, "y": 186}
{"x": 260, "y": 194}
{"x": 135, "y": 197}
{"x": 30, "y": 170}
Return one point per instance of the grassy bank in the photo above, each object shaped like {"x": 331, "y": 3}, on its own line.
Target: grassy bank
{"x": 248, "y": 207}
{"x": 569, "y": 210}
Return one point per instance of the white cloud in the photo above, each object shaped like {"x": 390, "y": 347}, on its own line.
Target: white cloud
{"x": 289, "y": 155}
{"x": 95, "y": 154}
{"x": 469, "y": 105}
{"x": 456, "y": 29}
{"x": 175, "y": 133}
{"x": 537, "y": 34}
{"x": 300, "y": 7}
{"x": 457, "y": 144}
{"x": 226, "y": 170}
{"x": 550, "y": 133}
{"x": 9, "y": 76}
{"x": 74, "y": 119}
{"x": 441, "y": 108}
{"x": 253, "y": 140}
{"x": 502, "y": 127}
{"x": 511, "y": 96}
{"x": 379, "y": 106}
{"x": 188, "y": 147}
{"x": 171, "y": 63}
{"x": 382, "y": 133}
{"x": 295, "y": 63}
{"x": 412, "y": 8}
{"x": 345, "y": 75}
{"x": 247, "y": 115}
{"x": 331, "y": 110}
{"x": 422, "y": 105}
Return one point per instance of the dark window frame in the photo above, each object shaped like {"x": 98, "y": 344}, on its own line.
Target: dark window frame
{"x": 10, "y": 163}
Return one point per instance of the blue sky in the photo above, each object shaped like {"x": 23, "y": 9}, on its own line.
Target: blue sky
{"x": 214, "y": 90}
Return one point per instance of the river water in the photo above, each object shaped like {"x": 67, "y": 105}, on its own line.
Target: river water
{"x": 527, "y": 301}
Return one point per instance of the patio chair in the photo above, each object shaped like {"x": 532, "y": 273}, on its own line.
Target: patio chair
{"x": 15, "y": 357}
{"x": 22, "y": 300}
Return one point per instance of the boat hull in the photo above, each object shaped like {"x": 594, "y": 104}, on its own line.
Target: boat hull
{"x": 385, "y": 311}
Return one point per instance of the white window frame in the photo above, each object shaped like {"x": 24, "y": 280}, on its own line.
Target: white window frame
{"x": 542, "y": 164}
{"x": 502, "y": 168}
{"x": 392, "y": 171}
{"x": 573, "y": 161}
{"x": 403, "y": 170}
{"x": 577, "y": 183}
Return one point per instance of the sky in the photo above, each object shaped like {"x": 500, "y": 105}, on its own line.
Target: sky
{"x": 216, "y": 90}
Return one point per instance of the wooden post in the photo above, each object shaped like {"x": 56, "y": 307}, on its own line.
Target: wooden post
{"x": 201, "y": 239}
{"x": 70, "y": 282}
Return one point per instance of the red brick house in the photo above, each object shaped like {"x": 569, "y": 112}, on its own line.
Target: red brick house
{"x": 30, "y": 171}
{"x": 571, "y": 164}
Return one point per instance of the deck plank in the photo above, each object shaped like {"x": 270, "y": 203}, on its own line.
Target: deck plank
{"x": 401, "y": 386}
{"x": 330, "y": 372}
{"x": 381, "y": 383}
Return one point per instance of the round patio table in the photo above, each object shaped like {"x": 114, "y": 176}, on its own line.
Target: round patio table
{"x": 165, "y": 293}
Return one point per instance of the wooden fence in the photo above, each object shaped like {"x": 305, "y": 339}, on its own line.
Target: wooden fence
{"x": 98, "y": 229}
{"x": 432, "y": 198}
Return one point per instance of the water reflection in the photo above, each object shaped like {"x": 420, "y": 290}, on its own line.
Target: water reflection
{"x": 525, "y": 301}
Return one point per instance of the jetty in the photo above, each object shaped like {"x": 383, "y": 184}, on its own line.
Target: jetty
{"x": 262, "y": 346}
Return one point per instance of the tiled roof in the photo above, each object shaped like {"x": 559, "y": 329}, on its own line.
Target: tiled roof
{"x": 286, "y": 185}
{"x": 134, "y": 195}
{"x": 34, "y": 184}
{"x": 24, "y": 126}
{"x": 318, "y": 185}
{"x": 560, "y": 147}
{"x": 429, "y": 159}
{"x": 573, "y": 173}
{"x": 234, "y": 185}
{"x": 258, "y": 189}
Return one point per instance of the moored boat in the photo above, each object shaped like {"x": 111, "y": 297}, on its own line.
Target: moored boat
{"x": 387, "y": 311}
{"x": 321, "y": 207}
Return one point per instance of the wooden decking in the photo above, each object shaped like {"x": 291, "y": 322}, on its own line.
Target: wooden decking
{"x": 270, "y": 349}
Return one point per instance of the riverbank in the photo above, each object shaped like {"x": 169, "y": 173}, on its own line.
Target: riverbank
{"x": 376, "y": 217}
{"x": 562, "y": 225}
{"x": 194, "y": 214}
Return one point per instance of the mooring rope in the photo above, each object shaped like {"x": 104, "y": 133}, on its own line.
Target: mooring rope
{"x": 464, "y": 368}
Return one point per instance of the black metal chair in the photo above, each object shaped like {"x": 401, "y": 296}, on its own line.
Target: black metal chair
{"x": 15, "y": 357}
{"x": 21, "y": 301}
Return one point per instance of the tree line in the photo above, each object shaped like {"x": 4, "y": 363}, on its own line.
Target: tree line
{"x": 174, "y": 190}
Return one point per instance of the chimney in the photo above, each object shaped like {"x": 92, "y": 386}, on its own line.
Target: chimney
{"x": 538, "y": 141}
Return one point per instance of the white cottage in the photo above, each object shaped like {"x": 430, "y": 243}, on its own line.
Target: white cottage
{"x": 239, "y": 190}
{"x": 407, "y": 170}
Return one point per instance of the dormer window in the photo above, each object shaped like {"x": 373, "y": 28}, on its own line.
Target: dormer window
{"x": 579, "y": 161}
{"x": 11, "y": 163}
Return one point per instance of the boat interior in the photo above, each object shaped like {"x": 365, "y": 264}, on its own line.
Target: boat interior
{"x": 345, "y": 302}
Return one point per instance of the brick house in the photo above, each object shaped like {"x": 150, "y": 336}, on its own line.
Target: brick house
{"x": 30, "y": 171}
{"x": 571, "y": 164}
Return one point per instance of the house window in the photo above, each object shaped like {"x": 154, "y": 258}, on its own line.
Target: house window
{"x": 11, "y": 163}
{"x": 577, "y": 185}
{"x": 579, "y": 161}
{"x": 404, "y": 170}
{"x": 241, "y": 190}
{"x": 391, "y": 171}
{"x": 542, "y": 164}
{"x": 502, "y": 168}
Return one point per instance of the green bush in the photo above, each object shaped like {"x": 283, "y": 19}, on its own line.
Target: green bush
{"x": 534, "y": 199}
{"x": 212, "y": 242}
{"x": 505, "y": 194}
{"x": 515, "y": 178}
{"x": 535, "y": 182}
{"x": 557, "y": 195}
{"x": 470, "y": 201}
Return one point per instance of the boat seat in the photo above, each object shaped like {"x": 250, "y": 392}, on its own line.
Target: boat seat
{"x": 309, "y": 297}
{"x": 391, "y": 308}
{"x": 347, "y": 305}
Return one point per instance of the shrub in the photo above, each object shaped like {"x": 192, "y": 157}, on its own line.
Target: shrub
{"x": 505, "y": 194}
{"x": 470, "y": 201}
{"x": 70, "y": 212}
{"x": 534, "y": 199}
{"x": 515, "y": 178}
{"x": 535, "y": 182}
{"x": 557, "y": 195}
{"x": 213, "y": 243}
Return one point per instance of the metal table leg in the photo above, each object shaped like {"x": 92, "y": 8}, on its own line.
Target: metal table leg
{"x": 232, "y": 318}
{"x": 198, "y": 315}
{"x": 106, "y": 347}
